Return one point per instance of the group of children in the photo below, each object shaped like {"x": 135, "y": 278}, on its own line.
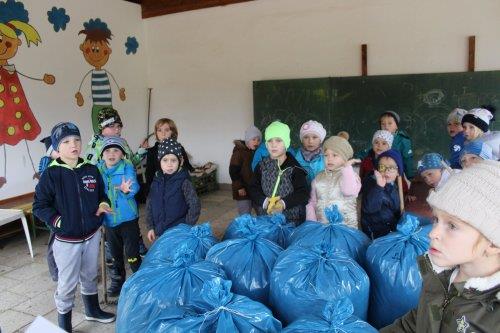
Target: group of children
{"x": 75, "y": 196}
{"x": 461, "y": 270}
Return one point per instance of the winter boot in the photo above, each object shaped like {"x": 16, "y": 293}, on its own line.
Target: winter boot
{"x": 64, "y": 321}
{"x": 93, "y": 311}
{"x": 117, "y": 275}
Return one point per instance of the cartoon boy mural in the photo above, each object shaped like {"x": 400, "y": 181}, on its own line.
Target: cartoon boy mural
{"x": 17, "y": 121}
{"x": 96, "y": 51}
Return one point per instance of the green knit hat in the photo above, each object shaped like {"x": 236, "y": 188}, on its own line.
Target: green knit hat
{"x": 278, "y": 130}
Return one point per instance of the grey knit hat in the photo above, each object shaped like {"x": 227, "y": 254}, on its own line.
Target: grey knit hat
{"x": 251, "y": 133}
{"x": 473, "y": 196}
{"x": 340, "y": 146}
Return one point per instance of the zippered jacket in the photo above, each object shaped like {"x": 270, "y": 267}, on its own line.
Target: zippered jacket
{"x": 66, "y": 200}
{"x": 124, "y": 205}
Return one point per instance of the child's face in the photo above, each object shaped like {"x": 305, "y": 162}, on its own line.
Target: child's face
{"x": 95, "y": 53}
{"x": 111, "y": 156}
{"x": 388, "y": 168}
{"x": 163, "y": 132}
{"x": 389, "y": 124}
{"x": 276, "y": 148}
{"x": 333, "y": 161}
{"x": 253, "y": 144}
{"x": 471, "y": 132}
{"x": 311, "y": 142}
{"x": 453, "y": 241}
{"x": 454, "y": 128}
{"x": 70, "y": 148}
{"x": 169, "y": 164}
{"x": 432, "y": 177}
{"x": 379, "y": 146}
{"x": 112, "y": 130}
{"x": 468, "y": 160}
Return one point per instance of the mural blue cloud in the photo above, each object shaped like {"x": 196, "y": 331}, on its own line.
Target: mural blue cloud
{"x": 131, "y": 45}
{"x": 58, "y": 18}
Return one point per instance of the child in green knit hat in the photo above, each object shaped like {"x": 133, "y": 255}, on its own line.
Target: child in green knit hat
{"x": 279, "y": 184}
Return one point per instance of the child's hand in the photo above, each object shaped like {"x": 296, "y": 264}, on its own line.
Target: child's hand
{"x": 145, "y": 144}
{"x": 125, "y": 185}
{"x": 352, "y": 161}
{"x": 381, "y": 181}
{"x": 103, "y": 209}
{"x": 242, "y": 192}
{"x": 151, "y": 235}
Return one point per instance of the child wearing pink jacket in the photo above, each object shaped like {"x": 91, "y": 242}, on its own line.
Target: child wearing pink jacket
{"x": 337, "y": 185}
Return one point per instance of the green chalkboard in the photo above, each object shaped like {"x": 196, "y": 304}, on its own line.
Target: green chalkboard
{"x": 354, "y": 104}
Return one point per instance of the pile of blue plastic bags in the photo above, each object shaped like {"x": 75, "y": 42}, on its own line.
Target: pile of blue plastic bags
{"x": 267, "y": 275}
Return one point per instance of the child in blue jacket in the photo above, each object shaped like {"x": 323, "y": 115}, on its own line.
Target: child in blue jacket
{"x": 380, "y": 209}
{"x": 310, "y": 155}
{"x": 122, "y": 227}
{"x": 456, "y": 132}
{"x": 70, "y": 199}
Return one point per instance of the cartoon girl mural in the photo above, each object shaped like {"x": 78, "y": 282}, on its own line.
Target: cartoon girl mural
{"x": 17, "y": 121}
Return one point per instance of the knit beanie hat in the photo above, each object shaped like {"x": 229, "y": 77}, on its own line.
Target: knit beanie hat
{"x": 108, "y": 116}
{"x": 456, "y": 116}
{"x": 479, "y": 148}
{"x": 114, "y": 142}
{"x": 278, "y": 130}
{"x": 472, "y": 196}
{"x": 312, "y": 127}
{"x": 169, "y": 146}
{"x": 393, "y": 115}
{"x": 430, "y": 161}
{"x": 339, "y": 146}
{"x": 251, "y": 133}
{"x": 478, "y": 117}
{"x": 396, "y": 156}
{"x": 62, "y": 130}
{"x": 384, "y": 135}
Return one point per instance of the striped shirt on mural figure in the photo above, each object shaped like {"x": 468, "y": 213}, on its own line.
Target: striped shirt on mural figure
{"x": 96, "y": 51}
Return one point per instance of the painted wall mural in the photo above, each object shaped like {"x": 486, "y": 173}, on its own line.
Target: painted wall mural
{"x": 96, "y": 51}
{"x": 17, "y": 121}
{"x": 58, "y": 18}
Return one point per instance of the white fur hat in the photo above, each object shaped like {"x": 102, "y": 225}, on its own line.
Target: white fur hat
{"x": 473, "y": 196}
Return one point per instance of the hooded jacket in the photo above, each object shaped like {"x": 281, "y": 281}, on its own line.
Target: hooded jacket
{"x": 446, "y": 307}
{"x": 66, "y": 200}
{"x": 240, "y": 169}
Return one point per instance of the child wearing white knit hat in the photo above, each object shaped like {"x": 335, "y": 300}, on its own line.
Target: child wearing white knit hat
{"x": 310, "y": 155}
{"x": 381, "y": 141}
{"x": 477, "y": 123}
{"x": 461, "y": 271}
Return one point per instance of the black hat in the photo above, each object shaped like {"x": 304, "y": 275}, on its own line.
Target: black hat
{"x": 169, "y": 146}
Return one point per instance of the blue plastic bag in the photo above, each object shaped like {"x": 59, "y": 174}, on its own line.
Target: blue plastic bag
{"x": 199, "y": 238}
{"x": 304, "y": 279}
{"x": 248, "y": 262}
{"x": 154, "y": 288}
{"x": 223, "y": 312}
{"x": 337, "y": 317}
{"x": 273, "y": 227}
{"x": 336, "y": 234}
{"x": 391, "y": 263}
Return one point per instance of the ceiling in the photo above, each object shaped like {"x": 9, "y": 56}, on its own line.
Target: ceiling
{"x": 152, "y": 8}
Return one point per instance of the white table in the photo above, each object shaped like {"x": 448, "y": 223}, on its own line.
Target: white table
{"x": 11, "y": 215}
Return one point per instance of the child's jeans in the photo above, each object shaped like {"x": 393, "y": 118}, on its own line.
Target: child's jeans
{"x": 76, "y": 262}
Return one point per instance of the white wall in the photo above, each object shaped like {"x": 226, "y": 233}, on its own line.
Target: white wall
{"x": 201, "y": 64}
{"x": 59, "y": 55}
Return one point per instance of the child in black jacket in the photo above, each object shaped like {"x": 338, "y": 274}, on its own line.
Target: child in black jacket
{"x": 70, "y": 199}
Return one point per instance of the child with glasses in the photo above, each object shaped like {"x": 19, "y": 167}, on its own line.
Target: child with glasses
{"x": 380, "y": 205}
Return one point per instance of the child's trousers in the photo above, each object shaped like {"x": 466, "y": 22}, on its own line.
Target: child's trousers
{"x": 76, "y": 262}
{"x": 125, "y": 235}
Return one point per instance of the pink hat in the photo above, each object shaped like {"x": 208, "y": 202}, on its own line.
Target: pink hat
{"x": 312, "y": 127}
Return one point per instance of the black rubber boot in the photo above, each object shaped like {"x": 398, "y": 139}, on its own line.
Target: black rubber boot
{"x": 93, "y": 311}
{"x": 64, "y": 321}
{"x": 117, "y": 275}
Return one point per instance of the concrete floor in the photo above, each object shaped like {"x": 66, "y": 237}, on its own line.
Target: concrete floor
{"x": 26, "y": 289}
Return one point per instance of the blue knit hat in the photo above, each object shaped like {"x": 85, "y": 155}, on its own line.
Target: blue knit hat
{"x": 430, "y": 161}
{"x": 62, "y": 130}
{"x": 479, "y": 148}
{"x": 396, "y": 156}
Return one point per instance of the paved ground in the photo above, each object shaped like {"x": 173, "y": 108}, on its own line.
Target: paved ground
{"x": 26, "y": 289}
